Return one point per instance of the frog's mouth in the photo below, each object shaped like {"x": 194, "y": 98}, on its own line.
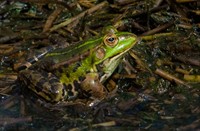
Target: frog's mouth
{"x": 110, "y": 64}
{"x": 117, "y": 56}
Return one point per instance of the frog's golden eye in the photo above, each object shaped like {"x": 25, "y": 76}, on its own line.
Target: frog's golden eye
{"x": 110, "y": 40}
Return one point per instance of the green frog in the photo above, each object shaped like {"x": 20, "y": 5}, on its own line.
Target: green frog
{"x": 79, "y": 70}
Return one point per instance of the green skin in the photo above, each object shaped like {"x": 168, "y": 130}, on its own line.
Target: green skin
{"x": 64, "y": 73}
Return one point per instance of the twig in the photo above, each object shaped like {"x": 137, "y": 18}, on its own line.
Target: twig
{"x": 179, "y": 70}
{"x": 158, "y": 29}
{"x": 7, "y": 120}
{"x": 193, "y": 78}
{"x": 89, "y": 11}
{"x": 105, "y": 124}
{"x": 8, "y": 38}
{"x": 188, "y": 60}
{"x": 170, "y": 77}
{"x": 185, "y": 1}
{"x": 152, "y": 37}
{"x": 140, "y": 62}
{"x": 51, "y": 18}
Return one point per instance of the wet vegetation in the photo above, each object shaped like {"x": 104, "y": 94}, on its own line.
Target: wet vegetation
{"x": 156, "y": 86}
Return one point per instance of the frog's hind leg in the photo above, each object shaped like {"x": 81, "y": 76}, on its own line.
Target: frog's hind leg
{"x": 45, "y": 84}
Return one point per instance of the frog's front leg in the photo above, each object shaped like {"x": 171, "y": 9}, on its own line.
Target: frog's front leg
{"x": 44, "y": 84}
{"x": 93, "y": 85}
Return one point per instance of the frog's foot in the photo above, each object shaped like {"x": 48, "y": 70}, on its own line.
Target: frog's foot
{"x": 93, "y": 86}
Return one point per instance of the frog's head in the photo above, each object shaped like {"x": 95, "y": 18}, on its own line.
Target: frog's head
{"x": 114, "y": 45}
{"x": 110, "y": 52}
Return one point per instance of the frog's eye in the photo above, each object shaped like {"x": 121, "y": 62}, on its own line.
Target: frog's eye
{"x": 110, "y": 40}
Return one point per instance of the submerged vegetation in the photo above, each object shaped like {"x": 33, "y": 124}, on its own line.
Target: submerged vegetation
{"x": 155, "y": 87}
